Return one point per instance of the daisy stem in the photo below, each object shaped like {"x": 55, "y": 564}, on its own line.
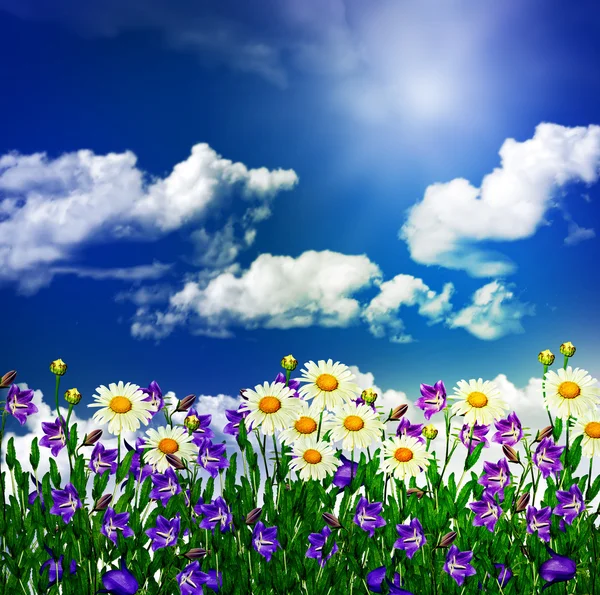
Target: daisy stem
{"x": 276, "y": 456}
{"x": 351, "y": 466}
{"x": 590, "y": 473}
{"x": 566, "y": 362}
{"x": 544, "y": 395}
{"x": 319, "y": 430}
{"x": 221, "y": 480}
{"x": 262, "y": 450}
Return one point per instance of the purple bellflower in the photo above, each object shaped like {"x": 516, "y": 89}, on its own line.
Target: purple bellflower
{"x": 547, "y": 457}
{"x": 211, "y": 456}
{"x": 216, "y": 513}
{"x": 139, "y": 474}
{"x": 457, "y": 565}
{"x": 509, "y": 430}
{"x": 368, "y": 517}
{"x": 66, "y": 502}
{"x": 155, "y": 397}
{"x": 103, "y": 459}
{"x": 433, "y": 399}
{"x": 235, "y": 417}
{"x": 412, "y": 537}
{"x": 54, "y": 436}
{"x": 557, "y": 570}
{"x": 18, "y": 403}
{"x": 405, "y": 428}
{"x": 191, "y": 579}
{"x": 55, "y": 569}
{"x": 166, "y": 485}
{"x": 318, "y": 542}
{"x": 540, "y": 521}
{"x": 375, "y": 580}
{"x": 294, "y": 383}
{"x": 264, "y": 540}
{"x": 479, "y": 435}
{"x": 341, "y": 479}
{"x": 113, "y": 521}
{"x": 570, "y": 504}
{"x": 119, "y": 582}
{"x": 165, "y": 533}
{"x": 496, "y": 477}
{"x": 487, "y": 512}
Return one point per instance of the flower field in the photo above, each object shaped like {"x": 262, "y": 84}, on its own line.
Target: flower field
{"x": 288, "y": 512}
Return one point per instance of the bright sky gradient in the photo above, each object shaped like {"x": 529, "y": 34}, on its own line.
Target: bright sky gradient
{"x": 190, "y": 191}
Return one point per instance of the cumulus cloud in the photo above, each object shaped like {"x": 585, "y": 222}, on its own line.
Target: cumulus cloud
{"x": 495, "y": 311}
{"x": 448, "y": 226}
{"x": 52, "y": 207}
{"x": 577, "y": 234}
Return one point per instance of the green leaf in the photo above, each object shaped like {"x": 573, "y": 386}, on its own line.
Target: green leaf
{"x": 463, "y": 496}
{"x": 100, "y": 483}
{"x": 34, "y": 457}
{"x": 558, "y": 427}
{"x": 574, "y": 454}
{"x": 124, "y": 467}
{"x": 594, "y": 489}
{"x": 11, "y": 455}
{"x": 432, "y": 471}
{"x": 474, "y": 456}
{"x": 145, "y": 491}
{"x": 54, "y": 473}
{"x": 209, "y": 489}
{"x": 452, "y": 486}
{"x": 72, "y": 443}
{"x": 242, "y": 438}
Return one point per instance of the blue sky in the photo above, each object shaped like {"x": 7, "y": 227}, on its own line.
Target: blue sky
{"x": 187, "y": 194}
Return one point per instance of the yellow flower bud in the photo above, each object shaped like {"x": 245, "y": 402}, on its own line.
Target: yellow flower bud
{"x": 568, "y": 349}
{"x": 72, "y": 396}
{"x": 191, "y": 422}
{"x": 546, "y": 357}
{"x": 369, "y": 396}
{"x": 58, "y": 367}
{"x": 289, "y": 363}
{"x": 430, "y": 432}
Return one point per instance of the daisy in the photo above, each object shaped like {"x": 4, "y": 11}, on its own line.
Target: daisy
{"x": 571, "y": 392}
{"x": 357, "y": 425}
{"x": 328, "y": 383}
{"x": 168, "y": 441}
{"x": 314, "y": 460}
{"x": 272, "y": 406}
{"x": 123, "y": 407}
{"x": 404, "y": 457}
{"x": 479, "y": 402}
{"x": 306, "y": 424}
{"x": 589, "y": 426}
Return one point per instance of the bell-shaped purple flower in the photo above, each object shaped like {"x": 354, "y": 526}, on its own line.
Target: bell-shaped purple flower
{"x": 203, "y": 432}
{"x": 103, "y": 459}
{"x": 294, "y": 384}
{"x": 191, "y": 579}
{"x": 368, "y": 516}
{"x": 487, "y": 512}
{"x": 547, "y": 457}
{"x": 264, "y": 540}
{"x": 558, "y": 569}
{"x": 505, "y": 574}
{"x": 235, "y": 417}
{"x": 113, "y": 522}
{"x": 18, "y": 403}
{"x": 211, "y": 457}
{"x": 496, "y": 477}
{"x": 138, "y": 473}
{"x": 433, "y": 399}
{"x": 318, "y": 543}
{"x": 55, "y": 569}
{"x": 405, "y": 428}
{"x": 570, "y": 504}
{"x": 457, "y": 565}
{"x": 375, "y": 580}
{"x": 479, "y": 435}
{"x": 411, "y": 537}
{"x": 166, "y": 485}
{"x": 540, "y": 521}
{"x": 509, "y": 431}
{"x": 155, "y": 397}
{"x": 66, "y": 502}
{"x": 37, "y": 493}
{"x": 216, "y": 514}
{"x": 341, "y": 479}
{"x": 54, "y": 436}
{"x": 119, "y": 582}
{"x": 165, "y": 533}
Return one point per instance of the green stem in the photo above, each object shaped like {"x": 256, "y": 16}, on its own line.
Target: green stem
{"x": 544, "y": 395}
{"x": 262, "y": 450}
{"x": 590, "y": 474}
{"x": 319, "y": 430}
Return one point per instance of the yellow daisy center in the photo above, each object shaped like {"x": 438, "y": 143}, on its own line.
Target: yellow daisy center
{"x": 168, "y": 446}
{"x": 312, "y": 456}
{"x": 120, "y": 404}
{"x": 477, "y": 400}
{"x": 306, "y": 425}
{"x": 354, "y": 423}
{"x": 569, "y": 390}
{"x": 269, "y": 404}
{"x": 327, "y": 382}
{"x": 592, "y": 429}
{"x": 403, "y": 454}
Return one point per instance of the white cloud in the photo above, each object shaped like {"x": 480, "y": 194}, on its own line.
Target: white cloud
{"x": 137, "y": 273}
{"x": 493, "y": 313}
{"x": 52, "y": 207}
{"x": 447, "y": 225}
{"x": 405, "y": 290}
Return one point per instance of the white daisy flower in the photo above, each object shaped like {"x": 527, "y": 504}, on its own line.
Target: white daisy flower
{"x": 123, "y": 407}
{"x": 358, "y": 426}
{"x": 168, "y": 441}
{"x": 272, "y": 406}
{"x": 314, "y": 460}
{"x": 404, "y": 456}
{"x": 571, "y": 392}
{"x": 589, "y": 426}
{"x": 479, "y": 402}
{"x": 306, "y": 424}
{"x": 328, "y": 383}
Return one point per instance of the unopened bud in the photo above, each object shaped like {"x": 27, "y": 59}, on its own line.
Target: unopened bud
{"x": 103, "y": 503}
{"x": 545, "y": 433}
{"x": 289, "y": 363}
{"x": 399, "y": 412}
{"x": 91, "y": 438}
{"x": 288, "y": 487}
{"x": 191, "y": 422}
{"x": 522, "y": 502}
{"x": 568, "y": 349}
{"x": 546, "y": 357}
{"x": 331, "y": 520}
{"x": 369, "y": 396}
{"x": 8, "y": 379}
{"x": 175, "y": 461}
{"x": 185, "y": 403}
{"x": 253, "y": 516}
{"x": 418, "y": 493}
{"x": 447, "y": 540}
{"x": 525, "y": 551}
{"x": 510, "y": 453}
{"x": 58, "y": 367}
{"x": 242, "y": 391}
{"x": 196, "y": 553}
{"x": 72, "y": 396}
{"x": 430, "y": 432}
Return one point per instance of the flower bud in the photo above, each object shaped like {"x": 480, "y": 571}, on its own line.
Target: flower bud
{"x": 419, "y": 493}
{"x": 522, "y": 502}
{"x": 253, "y": 516}
{"x": 288, "y": 487}
{"x": 242, "y": 391}
{"x": 331, "y": 520}
{"x": 447, "y": 540}
{"x": 399, "y": 412}
{"x": 58, "y": 367}
{"x": 191, "y": 422}
{"x": 525, "y": 551}
{"x": 545, "y": 433}
{"x": 289, "y": 363}
{"x": 546, "y": 357}
{"x": 185, "y": 403}
{"x": 72, "y": 396}
{"x": 91, "y": 438}
{"x": 430, "y": 432}
{"x": 568, "y": 349}
{"x": 8, "y": 379}
{"x": 196, "y": 553}
{"x": 510, "y": 453}
{"x": 369, "y": 396}
{"x": 103, "y": 503}
{"x": 175, "y": 462}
